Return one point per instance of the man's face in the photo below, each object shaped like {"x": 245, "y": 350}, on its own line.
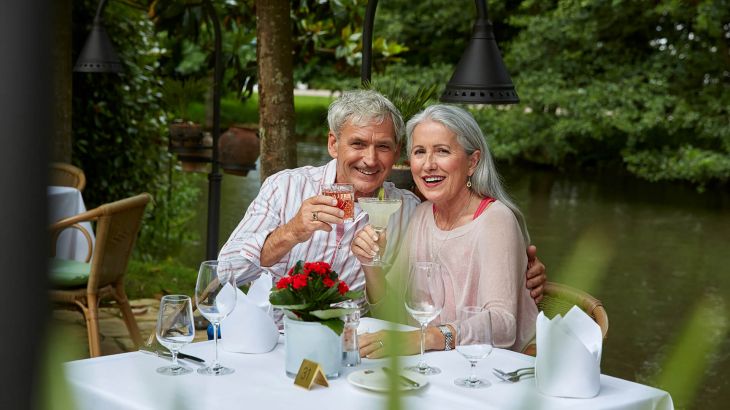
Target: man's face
{"x": 365, "y": 155}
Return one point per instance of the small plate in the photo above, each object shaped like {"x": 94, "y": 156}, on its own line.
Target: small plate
{"x": 377, "y": 380}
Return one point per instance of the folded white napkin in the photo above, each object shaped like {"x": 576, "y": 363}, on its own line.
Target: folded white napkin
{"x": 250, "y": 328}
{"x": 568, "y": 362}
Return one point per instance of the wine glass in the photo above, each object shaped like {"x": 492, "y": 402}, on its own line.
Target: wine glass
{"x": 215, "y": 296}
{"x": 474, "y": 342}
{"x": 424, "y": 300}
{"x": 175, "y": 329}
{"x": 379, "y": 211}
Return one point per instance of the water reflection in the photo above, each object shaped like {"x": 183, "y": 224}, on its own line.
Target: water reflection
{"x": 653, "y": 253}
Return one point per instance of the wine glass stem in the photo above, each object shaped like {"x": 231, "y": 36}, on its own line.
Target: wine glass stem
{"x": 473, "y": 375}
{"x": 216, "y": 326}
{"x": 175, "y": 364}
{"x": 422, "y": 363}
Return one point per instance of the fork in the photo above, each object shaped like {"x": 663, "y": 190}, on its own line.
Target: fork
{"x": 512, "y": 379}
{"x": 524, "y": 370}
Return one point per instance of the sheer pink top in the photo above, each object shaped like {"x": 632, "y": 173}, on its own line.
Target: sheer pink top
{"x": 484, "y": 264}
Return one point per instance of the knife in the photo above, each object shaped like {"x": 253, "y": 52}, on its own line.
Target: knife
{"x": 168, "y": 355}
{"x": 403, "y": 379}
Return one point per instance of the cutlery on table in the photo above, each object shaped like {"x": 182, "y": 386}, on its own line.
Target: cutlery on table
{"x": 513, "y": 379}
{"x": 404, "y": 380}
{"x": 167, "y": 355}
{"x": 524, "y": 370}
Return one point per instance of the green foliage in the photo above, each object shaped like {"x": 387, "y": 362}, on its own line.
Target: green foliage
{"x": 120, "y": 139}
{"x": 622, "y": 83}
{"x": 178, "y": 94}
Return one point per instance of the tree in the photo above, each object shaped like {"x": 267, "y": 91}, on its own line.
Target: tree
{"x": 276, "y": 86}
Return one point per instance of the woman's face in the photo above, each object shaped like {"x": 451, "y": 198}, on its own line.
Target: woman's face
{"x": 439, "y": 163}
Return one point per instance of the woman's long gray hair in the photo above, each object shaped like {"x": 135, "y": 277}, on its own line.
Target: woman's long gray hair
{"x": 485, "y": 180}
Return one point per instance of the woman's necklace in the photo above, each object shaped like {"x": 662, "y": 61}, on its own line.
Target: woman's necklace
{"x": 435, "y": 254}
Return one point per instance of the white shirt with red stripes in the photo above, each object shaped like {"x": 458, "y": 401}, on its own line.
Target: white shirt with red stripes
{"x": 279, "y": 200}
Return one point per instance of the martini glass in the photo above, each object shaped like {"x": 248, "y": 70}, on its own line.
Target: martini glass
{"x": 379, "y": 211}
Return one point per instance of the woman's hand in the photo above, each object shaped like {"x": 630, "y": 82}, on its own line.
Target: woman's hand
{"x": 366, "y": 244}
{"x": 381, "y": 343}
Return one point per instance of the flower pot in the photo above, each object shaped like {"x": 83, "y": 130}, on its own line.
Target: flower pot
{"x": 193, "y": 147}
{"x": 312, "y": 341}
{"x": 239, "y": 149}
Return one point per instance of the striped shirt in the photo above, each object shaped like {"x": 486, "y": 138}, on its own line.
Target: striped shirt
{"x": 279, "y": 200}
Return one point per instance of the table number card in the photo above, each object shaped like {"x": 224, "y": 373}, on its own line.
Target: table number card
{"x": 310, "y": 373}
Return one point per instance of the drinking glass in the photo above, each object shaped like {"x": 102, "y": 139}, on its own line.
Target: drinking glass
{"x": 424, "y": 300}
{"x": 474, "y": 343}
{"x": 379, "y": 211}
{"x": 215, "y": 296}
{"x": 175, "y": 329}
{"x": 345, "y": 196}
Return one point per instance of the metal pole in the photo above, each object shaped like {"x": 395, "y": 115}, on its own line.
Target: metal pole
{"x": 214, "y": 178}
{"x": 367, "y": 42}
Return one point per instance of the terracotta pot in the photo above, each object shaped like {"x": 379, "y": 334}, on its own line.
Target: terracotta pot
{"x": 193, "y": 147}
{"x": 238, "y": 149}
{"x": 402, "y": 177}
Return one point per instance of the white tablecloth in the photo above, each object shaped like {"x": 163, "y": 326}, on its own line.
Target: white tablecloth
{"x": 62, "y": 203}
{"x": 129, "y": 381}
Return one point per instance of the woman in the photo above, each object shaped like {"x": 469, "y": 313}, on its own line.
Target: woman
{"x": 468, "y": 225}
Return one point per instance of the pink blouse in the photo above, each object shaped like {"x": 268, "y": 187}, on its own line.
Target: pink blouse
{"x": 484, "y": 264}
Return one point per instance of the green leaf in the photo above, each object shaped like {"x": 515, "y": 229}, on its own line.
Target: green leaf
{"x": 337, "y": 325}
{"x": 332, "y": 313}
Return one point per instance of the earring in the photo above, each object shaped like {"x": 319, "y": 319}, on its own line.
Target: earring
{"x": 468, "y": 182}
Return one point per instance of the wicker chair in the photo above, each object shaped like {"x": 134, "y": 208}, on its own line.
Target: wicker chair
{"x": 559, "y": 298}
{"x": 63, "y": 174}
{"x": 83, "y": 285}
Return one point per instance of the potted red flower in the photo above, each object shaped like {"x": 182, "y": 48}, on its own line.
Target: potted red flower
{"x": 313, "y": 323}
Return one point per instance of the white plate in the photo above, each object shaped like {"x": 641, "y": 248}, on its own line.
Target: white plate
{"x": 377, "y": 380}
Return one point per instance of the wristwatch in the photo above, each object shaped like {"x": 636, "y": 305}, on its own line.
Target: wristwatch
{"x": 448, "y": 336}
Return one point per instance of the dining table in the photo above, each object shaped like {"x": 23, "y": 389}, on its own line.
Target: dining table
{"x": 64, "y": 202}
{"x": 130, "y": 381}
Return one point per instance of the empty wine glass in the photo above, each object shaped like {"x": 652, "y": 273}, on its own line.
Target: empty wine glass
{"x": 424, "y": 300}
{"x": 474, "y": 341}
{"x": 215, "y": 296}
{"x": 175, "y": 329}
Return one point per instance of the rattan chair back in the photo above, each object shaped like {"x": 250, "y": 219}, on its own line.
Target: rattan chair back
{"x": 63, "y": 174}
{"x": 117, "y": 226}
{"x": 559, "y": 299}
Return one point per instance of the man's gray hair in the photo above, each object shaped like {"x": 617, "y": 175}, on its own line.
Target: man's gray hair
{"x": 362, "y": 107}
{"x": 486, "y": 180}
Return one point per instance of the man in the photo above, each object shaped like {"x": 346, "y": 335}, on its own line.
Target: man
{"x": 289, "y": 220}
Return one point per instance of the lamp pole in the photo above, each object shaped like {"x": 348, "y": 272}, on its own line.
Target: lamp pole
{"x": 215, "y": 177}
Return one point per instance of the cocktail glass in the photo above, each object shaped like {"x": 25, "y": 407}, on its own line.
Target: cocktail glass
{"x": 379, "y": 211}
{"x": 345, "y": 196}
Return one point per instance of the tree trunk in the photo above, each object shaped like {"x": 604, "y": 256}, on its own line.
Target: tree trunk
{"x": 276, "y": 86}
{"x": 62, "y": 81}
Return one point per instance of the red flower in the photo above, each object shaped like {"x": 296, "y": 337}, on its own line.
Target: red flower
{"x": 283, "y": 282}
{"x": 328, "y": 282}
{"x": 342, "y": 288}
{"x": 299, "y": 281}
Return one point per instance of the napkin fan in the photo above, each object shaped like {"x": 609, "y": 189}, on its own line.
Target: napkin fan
{"x": 250, "y": 328}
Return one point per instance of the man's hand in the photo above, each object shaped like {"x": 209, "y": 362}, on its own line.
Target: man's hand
{"x": 317, "y": 213}
{"x": 536, "y": 276}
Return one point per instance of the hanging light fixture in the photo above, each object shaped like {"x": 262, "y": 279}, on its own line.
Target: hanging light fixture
{"x": 98, "y": 55}
{"x": 479, "y": 78}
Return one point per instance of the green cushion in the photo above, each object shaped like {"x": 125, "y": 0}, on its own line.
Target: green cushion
{"x": 69, "y": 273}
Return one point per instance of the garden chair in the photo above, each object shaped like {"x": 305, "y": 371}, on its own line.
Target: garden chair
{"x": 63, "y": 174}
{"x": 83, "y": 285}
{"x": 559, "y": 299}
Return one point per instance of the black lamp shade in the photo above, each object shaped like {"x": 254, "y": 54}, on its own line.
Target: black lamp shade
{"x": 98, "y": 55}
{"x": 481, "y": 77}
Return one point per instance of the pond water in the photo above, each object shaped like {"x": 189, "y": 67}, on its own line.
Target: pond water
{"x": 654, "y": 254}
